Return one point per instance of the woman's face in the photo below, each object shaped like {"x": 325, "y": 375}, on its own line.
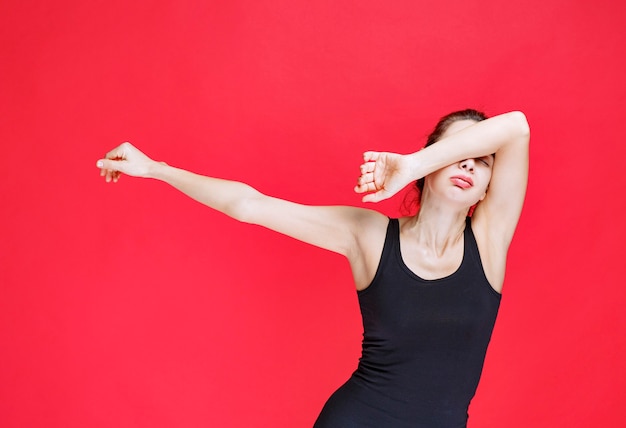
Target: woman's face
{"x": 466, "y": 181}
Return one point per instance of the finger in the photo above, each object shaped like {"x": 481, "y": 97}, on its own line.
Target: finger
{"x": 116, "y": 153}
{"x": 119, "y": 152}
{"x": 370, "y": 198}
{"x": 367, "y": 167}
{"x": 110, "y": 165}
{"x": 370, "y": 156}
{"x": 375, "y": 197}
{"x": 365, "y": 187}
{"x": 366, "y": 178}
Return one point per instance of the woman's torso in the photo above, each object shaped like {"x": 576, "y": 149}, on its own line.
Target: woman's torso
{"x": 424, "y": 342}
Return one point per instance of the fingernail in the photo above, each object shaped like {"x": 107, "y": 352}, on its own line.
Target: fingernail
{"x": 99, "y": 164}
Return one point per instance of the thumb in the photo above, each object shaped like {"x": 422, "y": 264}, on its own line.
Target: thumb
{"x": 109, "y": 164}
{"x": 375, "y": 197}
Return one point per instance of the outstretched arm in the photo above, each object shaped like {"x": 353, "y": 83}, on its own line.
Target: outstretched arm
{"x": 333, "y": 228}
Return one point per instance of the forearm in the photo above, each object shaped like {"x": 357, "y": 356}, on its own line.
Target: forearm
{"x": 228, "y": 197}
{"x": 482, "y": 139}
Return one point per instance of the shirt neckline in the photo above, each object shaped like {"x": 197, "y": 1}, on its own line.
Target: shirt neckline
{"x": 411, "y": 273}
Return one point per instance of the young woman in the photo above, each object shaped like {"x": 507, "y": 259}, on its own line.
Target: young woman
{"x": 428, "y": 285}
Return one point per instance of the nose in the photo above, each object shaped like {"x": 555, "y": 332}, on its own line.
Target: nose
{"x": 468, "y": 164}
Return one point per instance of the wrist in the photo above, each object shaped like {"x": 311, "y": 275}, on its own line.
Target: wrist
{"x": 414, "y": 166}
{"x": 157, "y": 170}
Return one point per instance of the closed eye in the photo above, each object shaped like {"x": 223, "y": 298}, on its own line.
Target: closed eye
{"x": 484, "y": 161}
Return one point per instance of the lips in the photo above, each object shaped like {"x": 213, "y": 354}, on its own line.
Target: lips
{"x": 462, "y": 181}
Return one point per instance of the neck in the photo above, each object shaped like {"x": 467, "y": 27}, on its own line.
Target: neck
{"x": 438, "y": 227}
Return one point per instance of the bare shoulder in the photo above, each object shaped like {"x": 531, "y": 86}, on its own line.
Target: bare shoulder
{"x": 364, "y": 260}
{"x": 371, "y": 231}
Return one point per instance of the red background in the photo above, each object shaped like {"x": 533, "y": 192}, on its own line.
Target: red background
{"x": 130, "y": 305}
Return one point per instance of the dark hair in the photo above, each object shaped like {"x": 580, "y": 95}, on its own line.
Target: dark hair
{"x": 443, "y": 125}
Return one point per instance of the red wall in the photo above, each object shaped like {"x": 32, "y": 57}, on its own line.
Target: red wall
{"x": 130, "y": 305}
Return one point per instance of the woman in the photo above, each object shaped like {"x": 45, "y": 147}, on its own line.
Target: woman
{"x": 428, "y": 285}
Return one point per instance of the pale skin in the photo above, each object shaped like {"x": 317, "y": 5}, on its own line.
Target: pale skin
{"x": 431, "y": 241}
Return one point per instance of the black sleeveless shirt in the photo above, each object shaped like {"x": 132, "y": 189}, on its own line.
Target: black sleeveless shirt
{"x": 424, "y": 345}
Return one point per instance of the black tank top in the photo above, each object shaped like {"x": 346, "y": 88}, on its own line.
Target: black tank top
{"x": 424, "y": 344}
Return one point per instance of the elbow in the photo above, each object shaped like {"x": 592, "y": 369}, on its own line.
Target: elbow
{"x": 243, "y": 209}
{"x": 237, "y": 210}
{"x": 519, "y": 124}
